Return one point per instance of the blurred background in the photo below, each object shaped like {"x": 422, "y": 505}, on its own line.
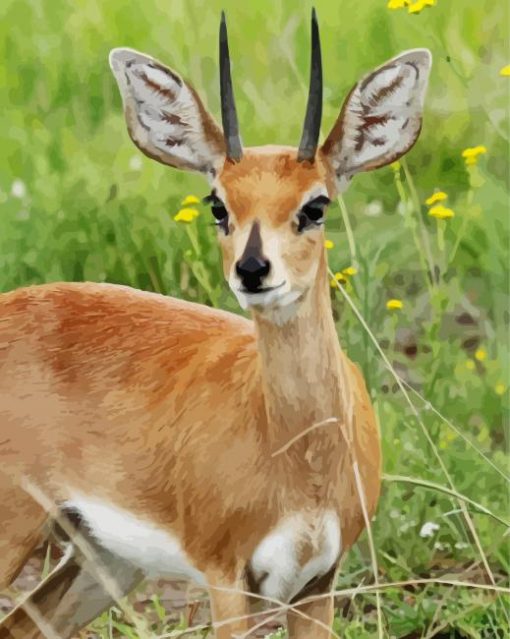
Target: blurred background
{"x": 419, "y": 247}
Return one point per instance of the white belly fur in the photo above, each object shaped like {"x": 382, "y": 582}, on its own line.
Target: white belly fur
{"x": 155, "y": 551}
{"x": 159, "y": 553}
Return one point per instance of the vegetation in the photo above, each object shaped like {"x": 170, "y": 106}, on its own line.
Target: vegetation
{"x": 419, "y": 250}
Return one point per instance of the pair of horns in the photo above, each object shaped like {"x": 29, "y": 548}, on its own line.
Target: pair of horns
{"x": 312, "y": 125}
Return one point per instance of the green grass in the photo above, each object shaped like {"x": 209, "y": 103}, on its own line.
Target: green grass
{"x": 78, "y": 202}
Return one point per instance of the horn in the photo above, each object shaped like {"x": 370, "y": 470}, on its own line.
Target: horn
{"x": 228, "y": 106}
{"x": 312, "y": 125}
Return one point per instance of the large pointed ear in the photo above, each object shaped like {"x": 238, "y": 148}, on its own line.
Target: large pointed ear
{"x": 165, "y": 117}
{"x": 381, "y": 118}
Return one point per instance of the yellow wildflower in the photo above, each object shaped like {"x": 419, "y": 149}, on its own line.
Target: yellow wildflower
{"x": 480, "y": 354}
{"x": 470, "y": 365}
{"x": 473, "y": 151}
{"x": 500, "y": 388}
{"x": 350, "y": 270}
{"x": 397, "y": 4}
{"x": 438, "y": 196}
{"x": 451, "y": 436}
{"x": 441, "y": 212}
{"x": 471, "y": 154}
{"x": 339, "y": 277}
{"x": 418, "y": 5}
{"x": 394, "y": 305}
{"x": 190, "y": 199}
{"x": 186, "y": 215}
{"x": 329, "y": 244}
{"x": 505, "y": 71}
{"x": 483, "y": 435}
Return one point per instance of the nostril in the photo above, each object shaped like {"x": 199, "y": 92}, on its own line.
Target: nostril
{"x": 251, "y": 271}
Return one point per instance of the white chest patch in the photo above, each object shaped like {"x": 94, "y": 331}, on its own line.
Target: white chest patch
{"x": 142, "y": 543}
{"x": 302, "y": 546}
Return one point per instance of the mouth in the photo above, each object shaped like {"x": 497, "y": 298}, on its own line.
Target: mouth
{"x": 260, "y": 291}
{"x": 266, "y": 298}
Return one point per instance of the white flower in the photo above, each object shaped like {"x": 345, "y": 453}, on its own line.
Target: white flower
{"x": 278, "y": 634}
{"x": 18, "y": 189}
{"x": 135, "y": 163}
{"x": 460, "y": 545}
{"x": 407, "y": 524}
{"x": 374, "y": 208}
{"x": 428, "y": 529}
{"x": 402, "y": 208}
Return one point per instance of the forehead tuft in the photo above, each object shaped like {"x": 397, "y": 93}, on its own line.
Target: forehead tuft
{"x": 268, "y": 183}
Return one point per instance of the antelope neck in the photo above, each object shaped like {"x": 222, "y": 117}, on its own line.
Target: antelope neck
{"x": 301, "y": 366}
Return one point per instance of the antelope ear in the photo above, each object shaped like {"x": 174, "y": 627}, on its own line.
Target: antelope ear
{"x": 165, "y": 117}
{"x": 381, "y": 118}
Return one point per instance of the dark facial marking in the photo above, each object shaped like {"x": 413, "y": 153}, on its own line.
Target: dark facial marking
{"x": 253, "y": 246}
{"x": 252, "y": 266}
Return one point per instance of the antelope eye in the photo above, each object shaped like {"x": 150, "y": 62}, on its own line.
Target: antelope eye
{"x": 219, "y": 211}
{"x": 312, "y": 214}
{"x": 221, "y": 216}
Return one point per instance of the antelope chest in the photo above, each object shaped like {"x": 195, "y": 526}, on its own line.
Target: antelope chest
{"x": 302, "y": 546}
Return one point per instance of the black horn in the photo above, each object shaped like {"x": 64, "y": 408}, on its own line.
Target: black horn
{"x": 312, "y": 126}
{"x": 228, "y": 106}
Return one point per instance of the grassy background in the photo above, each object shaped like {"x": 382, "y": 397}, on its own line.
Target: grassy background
{"x": 78, "y": 202}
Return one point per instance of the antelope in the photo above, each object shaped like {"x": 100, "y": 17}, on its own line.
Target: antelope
{"x": 241, "y": 453}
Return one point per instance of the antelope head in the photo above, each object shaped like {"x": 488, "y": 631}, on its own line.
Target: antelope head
{"x": 270, "y": 202}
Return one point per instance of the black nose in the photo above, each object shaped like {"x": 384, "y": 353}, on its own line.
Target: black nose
{"x": 251, "y": 270}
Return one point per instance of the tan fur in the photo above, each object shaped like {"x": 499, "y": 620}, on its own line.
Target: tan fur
{"x": 172, "y": 411}
{"x": 268, "y": 182}
{"x": 128, "y": 394}
{"x": 212, "y": 428}
{"x": 152, "y": 403}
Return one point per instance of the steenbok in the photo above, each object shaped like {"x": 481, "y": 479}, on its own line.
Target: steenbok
{"x": 185, "y": 440}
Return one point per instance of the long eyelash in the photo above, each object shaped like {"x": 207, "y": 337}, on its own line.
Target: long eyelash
{"x": 212, "y": 198}
{"x": 319, "y": 203}
{"x": 321, "y": 200}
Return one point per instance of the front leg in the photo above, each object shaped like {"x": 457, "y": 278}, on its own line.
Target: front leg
{"x": 70, "y": 597}
{"x": 229, "y": 606}
{"x": 314, "y": 617}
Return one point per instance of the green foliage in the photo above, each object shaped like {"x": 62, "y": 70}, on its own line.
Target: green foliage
{"x": 78, "y": 202}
